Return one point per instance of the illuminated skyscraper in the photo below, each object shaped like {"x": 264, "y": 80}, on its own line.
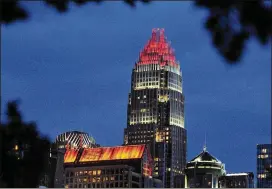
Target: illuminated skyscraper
{"x": 156, "y": 109}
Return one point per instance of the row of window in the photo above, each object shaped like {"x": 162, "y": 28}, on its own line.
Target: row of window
{"x": 178, "y": 122}
{"x": 143, "y": 112}
{"x": 152, "y": 121}
{"x": 263, "y": 156}
{"x": 150, "y": 69}
{"x": 147, "y": 84}
{"x": 143, "y": 117}
{"x": 98, "y": 185}
{"x": 97, "y": 179}
{"x": 140, "y": 141}
{"x": 175, "y": 87}
{"x": 95, "y": 172}
{"x": 140, "y": 132}
{"x": 140, "y": 136}
{"x": 147, "y": 79}
{"x": 261, "y": 176}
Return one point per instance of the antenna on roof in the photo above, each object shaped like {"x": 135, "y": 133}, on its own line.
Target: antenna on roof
{"x": 205, "y": 144}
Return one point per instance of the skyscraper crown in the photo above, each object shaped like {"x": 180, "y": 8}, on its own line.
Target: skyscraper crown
{"x": 157, "y": 50}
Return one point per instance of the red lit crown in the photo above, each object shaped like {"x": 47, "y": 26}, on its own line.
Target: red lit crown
{"x": 157, "y": 50}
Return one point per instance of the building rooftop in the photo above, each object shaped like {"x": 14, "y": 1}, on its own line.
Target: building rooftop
{"x": 205, "y": 156}
{"x": 105, "y": 153}
{"x": 238, "y": 174}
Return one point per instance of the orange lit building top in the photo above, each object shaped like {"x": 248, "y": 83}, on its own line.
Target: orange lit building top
{"x": 112, "y": 153}
{"x": 137, "y": 156}
{"x": 104, "y": 153}
{"x": 70, "y": 155}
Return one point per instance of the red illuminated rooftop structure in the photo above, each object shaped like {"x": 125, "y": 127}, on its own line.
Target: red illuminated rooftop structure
{"x": 157, "y": 50}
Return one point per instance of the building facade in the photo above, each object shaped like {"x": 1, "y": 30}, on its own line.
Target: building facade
{"x": 109, "y": 167}
{"x": 237, "y": 180}
{"x": 54, "y": 174}
{"x": 48, "y": 178}
{"x": 204, "y": 171}
{"x": 156, "y": 109}
{"x": 264, "y": 166}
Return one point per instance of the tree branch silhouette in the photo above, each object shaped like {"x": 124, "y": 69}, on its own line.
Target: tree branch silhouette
{"x": 24, "y": 151}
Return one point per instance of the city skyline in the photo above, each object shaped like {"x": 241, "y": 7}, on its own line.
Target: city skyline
{"x": 232, "y": 101}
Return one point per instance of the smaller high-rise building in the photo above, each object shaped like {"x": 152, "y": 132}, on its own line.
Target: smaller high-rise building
{"x": 264, "y": 166}
{"x": 237, "y": 180}
{"x": 204, "y": 171}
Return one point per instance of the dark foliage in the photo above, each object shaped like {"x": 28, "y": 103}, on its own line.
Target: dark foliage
{"x": 231, "y": 23}
{"x": 24, "y": 151}
{"x": 11, "y": 11}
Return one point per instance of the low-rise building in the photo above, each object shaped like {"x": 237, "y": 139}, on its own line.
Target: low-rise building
{"x": 109, "y": 167}
{"x": 237, "y": 180}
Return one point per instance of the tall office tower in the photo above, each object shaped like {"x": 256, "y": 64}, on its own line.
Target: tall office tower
{"x": 156, "y": 109}
{"x": 264, "y": 166}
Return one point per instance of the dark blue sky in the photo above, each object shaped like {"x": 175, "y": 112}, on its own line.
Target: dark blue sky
{"x": 72, "y": 71}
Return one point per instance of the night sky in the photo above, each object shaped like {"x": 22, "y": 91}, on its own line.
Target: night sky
{"x": 72, "y": 72}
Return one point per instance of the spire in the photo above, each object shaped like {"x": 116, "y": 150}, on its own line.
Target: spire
{"x": 205, "y": 144}
{"x": 162, "y": 35}
{"x": 154, "y": 34}
{"x": 157, "y": 35}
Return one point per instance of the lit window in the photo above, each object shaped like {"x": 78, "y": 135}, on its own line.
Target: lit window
{"x": 264, "y": 150}
{"x": 262, "y": 176}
